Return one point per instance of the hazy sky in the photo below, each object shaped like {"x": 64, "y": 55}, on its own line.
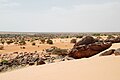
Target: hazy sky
{"x": 60, "y": 15}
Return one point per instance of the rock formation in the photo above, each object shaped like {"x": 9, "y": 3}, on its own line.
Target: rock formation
{"x": 109, "y": 52}
{"x": 87, "y": 47}
{"x": 117, "y": 52}
{"x": 113, "y": 40}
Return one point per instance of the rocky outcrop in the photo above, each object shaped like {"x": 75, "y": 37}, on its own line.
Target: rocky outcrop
{"x": 87, "y": 47}
{"x": 19, "y": 60}
{"x": 109, "y": 52}
{"x": 113, "y": 40}
{"x": 85, "y": 41}
{"x": 116, "y": 52}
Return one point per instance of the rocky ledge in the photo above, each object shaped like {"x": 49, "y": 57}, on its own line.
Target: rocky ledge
{"x": 88, "y": 47}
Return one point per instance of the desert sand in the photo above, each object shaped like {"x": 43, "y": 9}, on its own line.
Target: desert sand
{"x": 94, "y": 68}
{"x": 61, "y": 43}
{"x": 97, "y": 68}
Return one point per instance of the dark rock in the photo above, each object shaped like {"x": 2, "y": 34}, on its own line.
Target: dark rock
{"x": 117, "y": 52}
{"x": 40, "y": 62}
{"x": 0, "y": 64}
{"x": 113, "y": 40}
{"x": 85, "y": 41}
{"x": 106, "y": 53}
{"x": 1, "y": 68}
{"x": 86, "y": 49}
{"x": 31, "y": 63}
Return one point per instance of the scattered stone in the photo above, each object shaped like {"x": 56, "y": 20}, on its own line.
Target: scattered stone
{"x": 117, "y": 52}
{"x": 113, "y": 40}
{"x": 106, "y": 53}
{"x": 40, "y": 62}
{"x": 31, "y": 63}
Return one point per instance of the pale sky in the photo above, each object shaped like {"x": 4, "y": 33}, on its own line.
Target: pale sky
{"x": 60, "y": 15}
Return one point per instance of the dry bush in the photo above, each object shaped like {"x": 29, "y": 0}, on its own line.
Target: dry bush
{"x": 49, "y": 41}
{"x": 1, "y": 47}
{"x": 73, "y": 41}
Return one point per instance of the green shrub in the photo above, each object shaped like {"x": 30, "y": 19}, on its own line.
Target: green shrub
{"x": 110, "y": 37}
{"x": 3, "y": 42}
{"x": 42, "y": 40}
{"x": 73, "y": 41}
{"x": 59, "y": 51}
{"x": 49, "y": 41}
{"x": 22, "y": 42}
{"x": 33, "y": 43}
{"x": 96, "y": 34}
{"x": 79, "y": 36}
{"x": 4, "y": 61}
{"x": 9, "y": 42}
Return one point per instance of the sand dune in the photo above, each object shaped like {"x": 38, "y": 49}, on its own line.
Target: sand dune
{"x": 95, "y": 68}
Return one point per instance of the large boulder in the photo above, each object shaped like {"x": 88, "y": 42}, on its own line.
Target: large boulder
{"x": 85, "y": 41}
{"x": 87, "y": 47}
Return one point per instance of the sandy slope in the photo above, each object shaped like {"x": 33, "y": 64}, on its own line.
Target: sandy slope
{"x": 95, "y": 68}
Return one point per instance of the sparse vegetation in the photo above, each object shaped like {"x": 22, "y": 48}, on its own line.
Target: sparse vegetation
{"x": 110, "y": 37}
{"x": 73, "y": 41}
{"x": 42, "y": 40}
{"x": 3, "y": 42}
{"x": 1, "y": 47}
{"x": 49, "y": 41}
{"x": 33, "y": 43}
{"x": 59, "y": 51}
{"x": 79, "y": 36}
{"x": 9, "y": 42}
{"x": 96, "y": 34}
{"x": 22, "y": 42}
{"x": 4, "y": 61}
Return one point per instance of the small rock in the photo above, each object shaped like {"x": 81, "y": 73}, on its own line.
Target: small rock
{"x": 106, "y": 53}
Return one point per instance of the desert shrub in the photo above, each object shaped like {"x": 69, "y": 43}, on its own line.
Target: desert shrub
{"x": 67, "y": 36}
{"x": 22, "y": 42}
{"x": 42, "y": 40}
{"x": 32, "y": 40}
{"x": 4, "y": 61}
{"x": 3, "y": 42}
{"x": 96, "y": 34}
{"x": 9, "y": 42}
{"x": 1, "y": 47}
{"x": 59, "y": 51}
{"x": 22, "y": 47}
{"x": 73, "y": 41}
{"x": 15, "y": 42}
{"x": 33, "y": 43}
{"x": 79, "y": 36}
{"x": 49, "y": 41}
{"x": 110, "y": 37}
